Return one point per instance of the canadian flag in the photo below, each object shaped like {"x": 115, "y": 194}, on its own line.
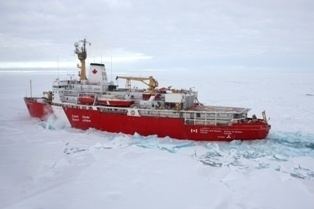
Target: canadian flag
{"x": 94, "y": 71}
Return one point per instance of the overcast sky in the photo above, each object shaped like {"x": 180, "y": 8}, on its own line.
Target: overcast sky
{"x": 270, "y": 34}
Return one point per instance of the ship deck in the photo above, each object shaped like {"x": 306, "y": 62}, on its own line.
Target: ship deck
{"x": 221, "y": 109}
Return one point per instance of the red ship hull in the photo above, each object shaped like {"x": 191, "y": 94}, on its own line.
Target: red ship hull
{"x": 161, "y": 126}
{"x": 37, "y": 107}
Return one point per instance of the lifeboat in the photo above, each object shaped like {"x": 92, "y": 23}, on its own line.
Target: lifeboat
{"x": 86, "y": 99}
{"x": 114, "y": 102}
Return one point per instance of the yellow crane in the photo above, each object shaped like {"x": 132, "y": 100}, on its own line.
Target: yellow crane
{"x": 151, "y": 82}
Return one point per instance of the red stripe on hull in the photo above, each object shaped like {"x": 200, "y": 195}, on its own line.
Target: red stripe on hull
{"x": 37, "y": 109}
{"x": 161, "y": 126}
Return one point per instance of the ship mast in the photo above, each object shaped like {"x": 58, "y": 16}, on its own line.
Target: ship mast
{"x": 80, "y": 50}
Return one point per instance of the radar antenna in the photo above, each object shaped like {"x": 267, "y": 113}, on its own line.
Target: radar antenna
{"x": 80, "y": 50}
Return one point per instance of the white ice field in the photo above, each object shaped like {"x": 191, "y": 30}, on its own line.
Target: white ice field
{"x": 44, "y": 165}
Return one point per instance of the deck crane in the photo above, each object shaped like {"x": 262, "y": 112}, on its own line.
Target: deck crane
{"x": 150, "y": 81}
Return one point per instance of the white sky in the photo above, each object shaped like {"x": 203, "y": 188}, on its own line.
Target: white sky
{"x": 276, "y": 34}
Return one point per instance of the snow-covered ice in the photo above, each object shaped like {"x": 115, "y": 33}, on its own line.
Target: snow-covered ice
{"x": 46, "y": 165}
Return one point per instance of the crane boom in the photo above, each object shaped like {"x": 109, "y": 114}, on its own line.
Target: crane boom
{"x": 150, "y": 81}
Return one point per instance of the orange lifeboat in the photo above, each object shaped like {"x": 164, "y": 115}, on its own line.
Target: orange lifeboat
{"x": 86, "y": 99}
{"x": 114, "y": 102}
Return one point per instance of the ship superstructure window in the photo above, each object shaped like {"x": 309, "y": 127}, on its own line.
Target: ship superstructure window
{"x": 237, "y": 115}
